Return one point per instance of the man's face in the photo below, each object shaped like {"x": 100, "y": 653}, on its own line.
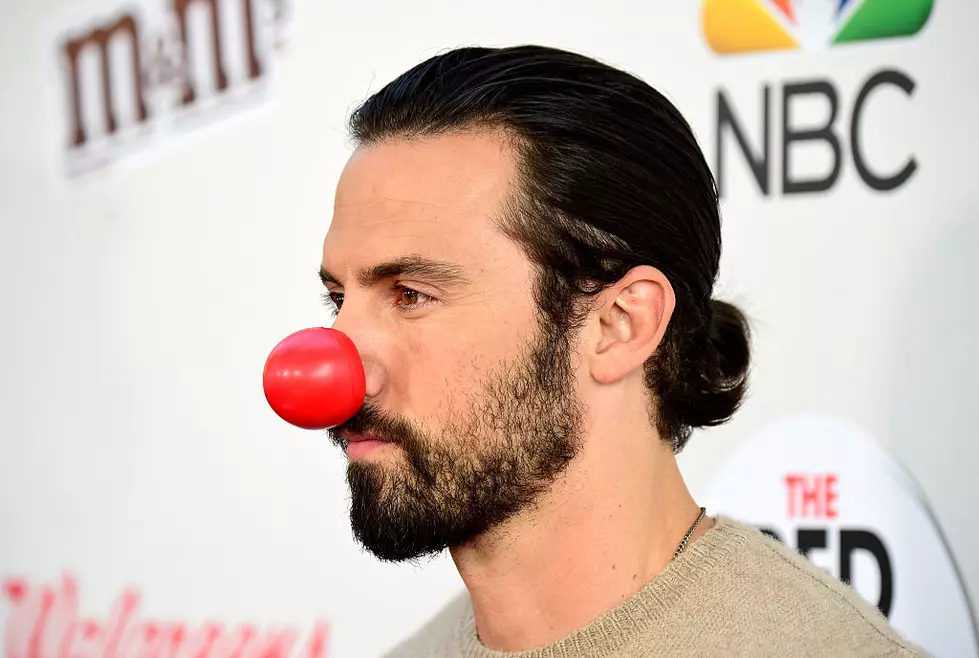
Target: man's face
{"x": 474, "y": 396}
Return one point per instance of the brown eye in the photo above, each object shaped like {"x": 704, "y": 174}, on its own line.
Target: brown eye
{"x": 409, "y": 298}
{"x": 333, "y": 300}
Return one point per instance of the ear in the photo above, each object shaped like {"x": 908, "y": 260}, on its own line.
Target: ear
{"x": 631, "y": 320}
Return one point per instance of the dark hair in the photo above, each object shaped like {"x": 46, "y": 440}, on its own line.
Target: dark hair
{"x": 611, "y": 177}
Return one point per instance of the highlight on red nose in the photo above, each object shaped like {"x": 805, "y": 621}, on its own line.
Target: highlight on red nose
{"x": 314, "y": 378}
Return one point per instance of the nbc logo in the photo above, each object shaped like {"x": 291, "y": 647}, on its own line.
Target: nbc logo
{"x": 841, "y": 130}
{"x": 739, "y": 26}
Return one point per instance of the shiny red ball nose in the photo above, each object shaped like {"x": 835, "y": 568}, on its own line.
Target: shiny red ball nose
{"x": 314, "y": 378}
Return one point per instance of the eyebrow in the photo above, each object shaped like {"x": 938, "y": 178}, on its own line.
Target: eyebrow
{"x": 431, "y": 271}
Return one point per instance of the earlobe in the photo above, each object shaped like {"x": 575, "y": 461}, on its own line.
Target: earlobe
{"x": 632, "y": 318}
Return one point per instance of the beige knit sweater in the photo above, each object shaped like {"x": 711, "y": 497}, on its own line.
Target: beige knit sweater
{"x": 733, "y": 592}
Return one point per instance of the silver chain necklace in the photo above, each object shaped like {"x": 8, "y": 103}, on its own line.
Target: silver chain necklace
{"x": 693, "y": 528}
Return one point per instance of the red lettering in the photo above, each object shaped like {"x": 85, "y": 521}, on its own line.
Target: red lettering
{"x": 791, "y": 483}
{"x": 128, "y": 603}
{"x": 165, "y": 640}
{"x": 831, "y": 496}
{"x": 153, "y": 637}
{"x": 87, "y": 643}
{"x": 69, "y": 600}
{"x": 206, "y": 638}
{"x": 236, "y": 642}
{"x": 37, "y": 637}
{"x": 812, "y": 496}
{"x": 276, "y": 644}
{"x": 15, "y": 589}
{"x": 316, "y": 647}
{"x": 44, "y": 623}
{"x": 18, "y": 632}
{"x": 178, "y": 633}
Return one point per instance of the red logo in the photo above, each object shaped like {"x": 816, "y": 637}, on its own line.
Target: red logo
{"x": 44, "y": 623}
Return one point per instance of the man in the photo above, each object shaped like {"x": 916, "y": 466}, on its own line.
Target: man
{"x": 524, "y": 248}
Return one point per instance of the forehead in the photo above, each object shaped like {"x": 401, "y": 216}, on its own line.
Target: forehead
{"x": 438, "y": 196}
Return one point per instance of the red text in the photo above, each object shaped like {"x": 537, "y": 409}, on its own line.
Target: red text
{"x": 44, "y": 623}
{"x": 812, "y": 496}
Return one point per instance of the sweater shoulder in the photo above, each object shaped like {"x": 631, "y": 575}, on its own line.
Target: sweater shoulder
{"x": 768, "y": 593}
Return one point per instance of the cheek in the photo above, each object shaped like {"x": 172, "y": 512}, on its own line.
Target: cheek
{"x": 442, "y": 367}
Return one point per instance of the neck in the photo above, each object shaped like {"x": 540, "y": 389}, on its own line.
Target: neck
{"x": 602, "y": 531}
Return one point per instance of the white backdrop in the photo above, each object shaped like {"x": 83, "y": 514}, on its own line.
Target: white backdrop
{"x": 144, "y": 282}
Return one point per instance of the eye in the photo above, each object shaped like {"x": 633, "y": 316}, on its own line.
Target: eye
{"x": 410, "y": 298}
{"x": 333, "y": 301}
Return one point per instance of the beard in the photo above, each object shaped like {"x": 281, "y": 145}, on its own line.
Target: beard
{"x": 496, "y": 452}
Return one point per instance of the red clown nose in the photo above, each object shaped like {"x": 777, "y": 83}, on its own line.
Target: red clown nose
{"x": 314, "y": 379}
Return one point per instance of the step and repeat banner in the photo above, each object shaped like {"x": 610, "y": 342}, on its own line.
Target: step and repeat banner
{"x": 166, "y": 180}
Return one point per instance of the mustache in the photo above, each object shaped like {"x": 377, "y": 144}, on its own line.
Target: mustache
{"x": 372, "y": 420}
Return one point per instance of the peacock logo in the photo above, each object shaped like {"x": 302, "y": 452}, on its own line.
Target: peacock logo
{"x": 741, "y": 26}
